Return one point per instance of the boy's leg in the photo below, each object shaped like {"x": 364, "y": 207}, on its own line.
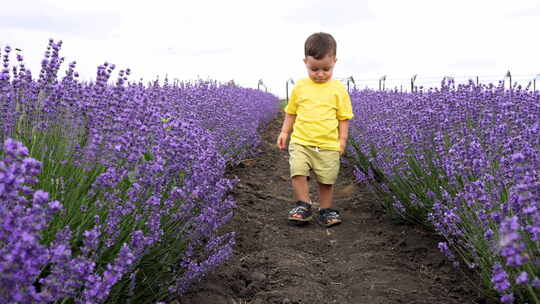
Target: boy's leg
{"x": 328, "y": 216}
{"x": 326, "y": 192}
{"x": 300, "y": 165}
{"x": 300, "y": 188}
{"x": 326, "y": 168}
{"x": 301, "y": 196}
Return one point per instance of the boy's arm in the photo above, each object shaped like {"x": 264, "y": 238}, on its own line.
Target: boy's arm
{"x": 343, "y": 128}
{"x": 285, "y": 130}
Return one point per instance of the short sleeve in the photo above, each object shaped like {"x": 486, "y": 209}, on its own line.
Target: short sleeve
{"x": 344, "y": 107}
{"x": 293, "y": 102}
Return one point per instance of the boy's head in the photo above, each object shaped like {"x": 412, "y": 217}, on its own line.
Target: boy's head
{"x": 320, "y": 56}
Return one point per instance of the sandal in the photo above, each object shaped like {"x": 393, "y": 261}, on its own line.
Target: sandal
{"x": 329, "y": 217}
{"x": 301, "y": 213}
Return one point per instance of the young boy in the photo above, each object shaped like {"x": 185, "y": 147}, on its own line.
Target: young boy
{"x": 319, "y": 110}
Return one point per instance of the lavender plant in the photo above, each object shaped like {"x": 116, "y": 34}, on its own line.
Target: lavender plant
{"x": 115, "y": 191}
{"x": 463, "y": 160}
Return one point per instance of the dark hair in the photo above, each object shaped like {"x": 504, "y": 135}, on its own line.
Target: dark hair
{"x": 319, "y": 45}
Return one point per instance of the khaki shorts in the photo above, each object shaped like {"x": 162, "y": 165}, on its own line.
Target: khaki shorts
{"x": 324, "y": 163}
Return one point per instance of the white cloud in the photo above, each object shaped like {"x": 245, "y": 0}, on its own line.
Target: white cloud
{"x": 251, "y": 40}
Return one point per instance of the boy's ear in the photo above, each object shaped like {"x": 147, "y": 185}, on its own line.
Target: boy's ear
{"x": 305, "y": 60}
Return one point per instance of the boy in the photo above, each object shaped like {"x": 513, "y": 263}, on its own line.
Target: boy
{"x": 319, "y": 109}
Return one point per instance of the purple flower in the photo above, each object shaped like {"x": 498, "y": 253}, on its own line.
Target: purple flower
{"x": 507, "y": 298}
{"x": 522, "y": 278}
{"x": 512, "y": 247}
{"x": 500, "y": 278}
{"x": 443, "y": 247}
{"x": 22, "y": 255}
{"x": 470, "y": 152}
{"x": 124, "y": 183}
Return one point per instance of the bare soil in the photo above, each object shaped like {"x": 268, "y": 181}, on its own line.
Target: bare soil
{"x": 366, "y": 259}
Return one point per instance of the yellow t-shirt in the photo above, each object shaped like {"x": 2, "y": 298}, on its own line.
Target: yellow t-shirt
{"x": 318, "y": 107}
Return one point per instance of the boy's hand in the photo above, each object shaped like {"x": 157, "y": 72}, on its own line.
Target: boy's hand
{"x": 342, "y": 146}
{"x": 343, "y": 135}
{"x": 282, "y": 140}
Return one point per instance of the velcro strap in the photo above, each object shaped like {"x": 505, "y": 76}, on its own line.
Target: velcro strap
{"x": 329, "y": 212}
{"x": 303, "y": 204}
{"x": 297, "y": 210}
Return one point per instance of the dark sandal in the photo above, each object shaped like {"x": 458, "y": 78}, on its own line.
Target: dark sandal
{"x": 329, "y": 217}
{"x": 302, "y": 211}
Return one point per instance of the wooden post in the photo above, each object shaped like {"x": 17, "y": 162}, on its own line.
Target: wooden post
{"x": 290, "y": 80}
{"x": 509, "y": 75}
{"x": 412, "y": 82}
{"x": 287, "y": 90}
{"x": 349, "y": 80}
{"x": 382, "y": 81}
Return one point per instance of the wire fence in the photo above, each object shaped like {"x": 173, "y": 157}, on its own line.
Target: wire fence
{"x": 385, "y": 82}
{"x": 415, "y": 82}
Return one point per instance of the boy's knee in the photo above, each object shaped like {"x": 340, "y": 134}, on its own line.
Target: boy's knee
{"x": 325, "y": 186}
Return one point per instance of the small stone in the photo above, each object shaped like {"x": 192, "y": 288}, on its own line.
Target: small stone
{"x": 286, "y": 301}
{"x": 258, "y": 276}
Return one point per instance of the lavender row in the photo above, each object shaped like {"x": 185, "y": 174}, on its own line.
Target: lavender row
{"x": 463, "y": 160}
{"x": 116, "y": 190}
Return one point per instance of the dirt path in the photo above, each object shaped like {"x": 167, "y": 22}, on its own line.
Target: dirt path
{"x": 367, "y": 259}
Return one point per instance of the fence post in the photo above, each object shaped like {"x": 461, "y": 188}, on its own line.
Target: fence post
{"x": 287, "y": 87}
{"x": 287, "y": 90}
{"x": 350, "y": 79}
{"x": 382, "y": 81}
{"x": 509, "y": 76}
{"x": 261, "y": 83}
{"x": 412, "y": 82}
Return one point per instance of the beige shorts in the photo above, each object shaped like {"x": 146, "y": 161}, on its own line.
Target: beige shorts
{"x": 324, "y": 163}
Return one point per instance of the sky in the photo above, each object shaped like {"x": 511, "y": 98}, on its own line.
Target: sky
{"x": 248, "y": 41}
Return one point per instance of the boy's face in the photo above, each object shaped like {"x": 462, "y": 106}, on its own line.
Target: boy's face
{"x": 320, "y": 70}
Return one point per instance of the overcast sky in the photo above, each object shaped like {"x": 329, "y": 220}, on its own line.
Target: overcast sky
{"x": 251, "y": 40}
